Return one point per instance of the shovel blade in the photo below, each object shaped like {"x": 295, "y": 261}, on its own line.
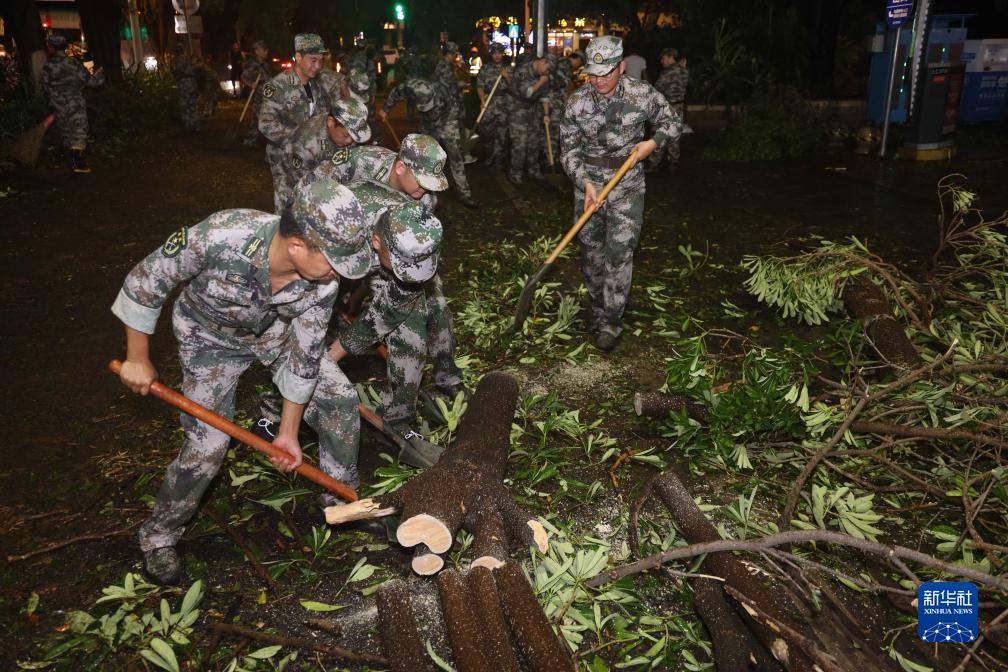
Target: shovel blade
{"x": 528, "y": 293}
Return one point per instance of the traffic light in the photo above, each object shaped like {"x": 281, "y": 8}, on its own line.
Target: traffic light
{"x": 400, "y": 12}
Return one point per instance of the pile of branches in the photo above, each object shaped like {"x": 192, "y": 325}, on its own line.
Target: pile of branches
{"x": 899, "y": 433}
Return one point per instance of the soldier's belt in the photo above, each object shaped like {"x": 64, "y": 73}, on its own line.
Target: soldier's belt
{"x": 227, "y": 330}
{"x": 611, "y": 162}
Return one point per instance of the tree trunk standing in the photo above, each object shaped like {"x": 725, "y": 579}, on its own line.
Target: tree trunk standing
{"x": 100, "y": 20}
{"x": 24, "y": 24}
{"x": 824, "y": 27}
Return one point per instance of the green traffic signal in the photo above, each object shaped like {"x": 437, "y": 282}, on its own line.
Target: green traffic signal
{"x": 400, "y": 12}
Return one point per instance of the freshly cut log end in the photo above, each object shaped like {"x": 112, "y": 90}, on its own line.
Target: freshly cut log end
{"x": 424, "y": 529}
{"x": 426, "y": 563}
{"x": 539, "y": 535}
{"x": 362, "y": 509}
{"x": 488, "y": 562}
{"x": 401, "y": 642}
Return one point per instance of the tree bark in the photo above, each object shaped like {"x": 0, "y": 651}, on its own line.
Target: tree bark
{"x": 464, "y": 633}
{"x": 532, "y": 634}
{"x": 401, "y": 642}
{"x": 487, "y": 607}
{"x": 867, "y": 302}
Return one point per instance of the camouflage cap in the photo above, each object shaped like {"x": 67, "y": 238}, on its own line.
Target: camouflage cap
{"x": 358, "y": 80}
{"x": 259, "y": 44}
{"x": 334, "y": 222}
{"x": 56, "y": 41}
{"x": 603, "y": 54}
{"x": 424, "y": 156}
{"x": 351, "y": 114}
{"x": 671, "y": 52}
{"x": 423, "y": 93}
{"x": 412, "y": 236}
{"x": 450, "y": 48}
{"x": 309, "y": 43}
{"x": 496, "y": 48}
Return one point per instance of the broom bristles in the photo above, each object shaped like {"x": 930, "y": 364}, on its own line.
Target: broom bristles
{"x": 25, "y": 149}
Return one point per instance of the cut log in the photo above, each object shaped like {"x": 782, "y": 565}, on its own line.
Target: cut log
{"x": 657, "y": 405}
{"x": 489, "y": 541}
{"x": 464, "y": 632}
{"x": 401, "y": 642}
{"x": 466, "y": 484}
{"x": 866, "y": 301}
{"x": 425, "y": 562}
{"x": 531, "y": 632}
{"x": 487, "y": 607}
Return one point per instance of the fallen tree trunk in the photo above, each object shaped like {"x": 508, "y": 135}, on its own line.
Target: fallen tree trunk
{"x": 400, "y": 640}
{"x": 464, "y": 490}
{"x": 464, "y": 633}
{"x": 657, "y": 405}
{"x": 487, "y": 607}
{"x": 532, "y": 634}
{"x": 867, "y": 302}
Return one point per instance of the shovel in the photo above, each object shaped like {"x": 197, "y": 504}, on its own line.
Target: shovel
{"x": 469, "y": 137}
{"x": 391, "y": 130}
{"x": 525, "y": 300}
{"x": 204, "y": 414}
{"x": 554, "y": 178}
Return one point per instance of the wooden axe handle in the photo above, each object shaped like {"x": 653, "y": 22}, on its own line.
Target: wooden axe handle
{"x": 245, "y": 109}
{"x": 204, "y": 414}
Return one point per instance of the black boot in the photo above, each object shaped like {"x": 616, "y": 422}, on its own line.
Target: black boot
{"x": 78, "y": 162}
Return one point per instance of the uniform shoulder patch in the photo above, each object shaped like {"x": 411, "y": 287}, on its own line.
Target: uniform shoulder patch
{"x": 251, "y": 247}
{"x": 269, "y": 90}
{"x": 297, "y": 162}
{"x": 176, "y": 243}
{"x": 341, "y": 155}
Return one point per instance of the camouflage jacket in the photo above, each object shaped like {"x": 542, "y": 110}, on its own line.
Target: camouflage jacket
{"x": 183, "y": 68}
{"x": 672, "y": 83}
{"x": 523, "y": 78}
{"x": 222, "y": 263}
{"x": 599, "y": 127}
{"x": 485, "y": 80}
{"x": 285, "y": 106}
{"x": 254, "y": 68}
{"x": 443, "y": 107}
{"x": 64, "y": 79}
{"x": 310, "y": 146}
{"x": 393, "y": 300}
{"x": 445, "y": 76}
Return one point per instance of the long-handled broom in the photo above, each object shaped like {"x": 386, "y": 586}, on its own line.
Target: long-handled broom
{"x": 25, "y": 149}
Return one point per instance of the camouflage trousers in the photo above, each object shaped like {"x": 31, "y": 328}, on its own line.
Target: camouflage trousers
{"x": 671, "y": 149}
{"x": 188, "y": 96}
{"x": 447, "y": 133}
{"x": 211, "y": 365}
{"x": 427, "y": 334}
{"x": 283, "y": 183}
{"x": 252, "y": 136}
{"x": 493, "y": 132}
{"x": 525, "y": 126}
{"x": 72, "y": 122}
{"x": 608, "y": 241}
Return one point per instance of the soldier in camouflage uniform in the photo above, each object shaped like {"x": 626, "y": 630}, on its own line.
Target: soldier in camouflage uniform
{"x": 289, "y": 100}
{"x": 64, "y": 80}
{"x": 383, "y": 179}
{"x": 439, "y": 119}
{"x": 554, "y": 100}
{"x": 327, "y": 138}
{"x": 494, "y": 125}
{"x": 671, "y": 83}
{"x": 184, "y": 73}
{"x": 360, "y": 61}
{"x": 602, "y": 126}
{"x": 254, "y": 287}
{"x": 527, "y": 85}
{"x": 444, "y": 74}
{"x": 255, "y": 74}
